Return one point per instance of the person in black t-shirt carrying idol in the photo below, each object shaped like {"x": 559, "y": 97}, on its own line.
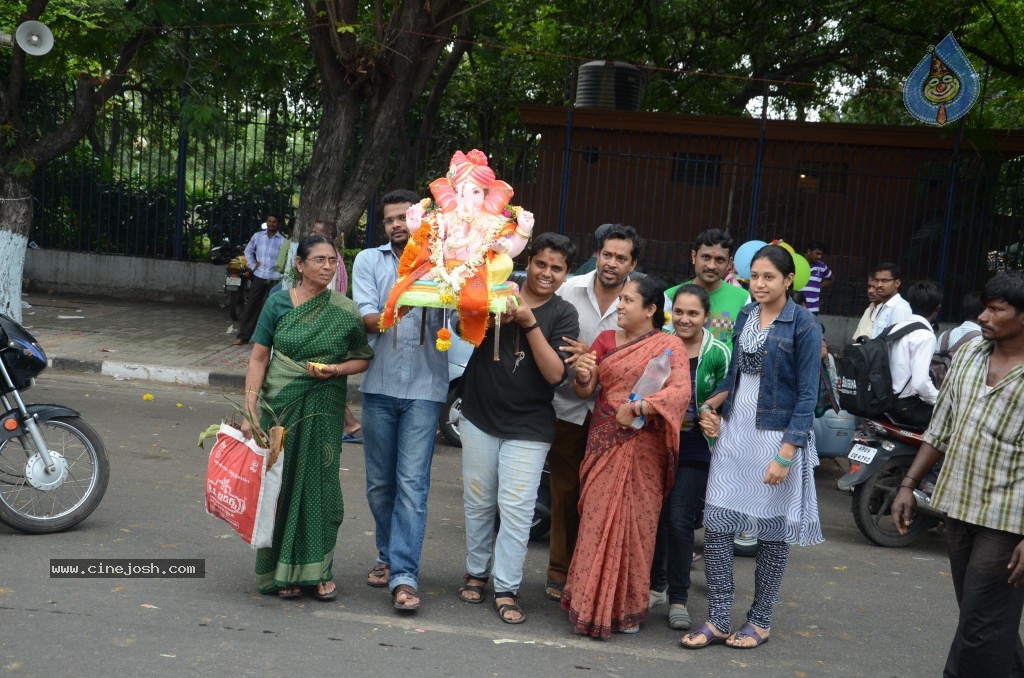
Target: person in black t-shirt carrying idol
{"x": 508, "y": 423}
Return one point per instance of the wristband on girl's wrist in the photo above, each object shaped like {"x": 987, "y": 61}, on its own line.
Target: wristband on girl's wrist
{"x": 782, "y": 461}
{"x": 705, "y": 408}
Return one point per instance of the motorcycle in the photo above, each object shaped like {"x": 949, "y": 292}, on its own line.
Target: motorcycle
{"x": 53, "y": 466}
{"x": 879, "y": 460}
{"x": 238, "y": 277}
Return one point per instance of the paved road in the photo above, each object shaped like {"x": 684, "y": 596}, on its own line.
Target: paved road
{"x": 847, "y": 608}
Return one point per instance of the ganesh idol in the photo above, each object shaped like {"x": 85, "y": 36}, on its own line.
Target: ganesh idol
{"x": 460, "y": 251}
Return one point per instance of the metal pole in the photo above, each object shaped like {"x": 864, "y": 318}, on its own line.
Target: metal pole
{"x": 182, "y": 164}
{"x": 947, "y": 222}
{"x": 563, "y": 191}
{"x": 755, "y": 197}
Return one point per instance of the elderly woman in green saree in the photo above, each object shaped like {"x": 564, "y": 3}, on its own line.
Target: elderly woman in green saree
{"x": 307, "y": 341}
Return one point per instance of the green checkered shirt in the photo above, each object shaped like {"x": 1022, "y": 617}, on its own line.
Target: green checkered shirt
{"x": 981, "y": 432}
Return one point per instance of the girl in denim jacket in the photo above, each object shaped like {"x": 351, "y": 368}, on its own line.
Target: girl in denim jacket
{"x": 762, "y": 466}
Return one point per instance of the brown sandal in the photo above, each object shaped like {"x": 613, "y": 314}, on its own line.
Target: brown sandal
{"x": 379, "y": 575}
{"x": 478, "y": 589}
{"x": 505, "y": 608}
{"x": 409, "y": 592}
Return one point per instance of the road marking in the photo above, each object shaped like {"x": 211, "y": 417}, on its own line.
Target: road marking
{"x": 576, "y": 642}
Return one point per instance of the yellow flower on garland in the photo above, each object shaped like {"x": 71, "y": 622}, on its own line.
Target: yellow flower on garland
{"x": 668, "y": 318}
{"x": 444, "y": 339}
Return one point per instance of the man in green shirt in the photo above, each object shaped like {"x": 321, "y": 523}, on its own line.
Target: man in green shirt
{"x": 978, "y": 429}
{"x": 712, "y": 261}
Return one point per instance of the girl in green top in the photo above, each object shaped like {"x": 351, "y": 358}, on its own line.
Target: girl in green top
{"x": 709, "y": 364}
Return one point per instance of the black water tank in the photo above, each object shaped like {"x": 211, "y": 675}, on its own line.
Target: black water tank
{"x": 609, "y": 84}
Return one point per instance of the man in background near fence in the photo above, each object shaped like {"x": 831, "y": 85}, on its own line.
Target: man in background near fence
{"x": 712, "y": 260}
{"x": 261, "y": 256}
{"x": 978, "y": 429}
{"x": 865, "y": 328}
{"x": 403, "y": 391}
{"x": 595, "y": 296}
{"x": 821, "y": 275}
{"x": 970, "y": 308}
{"x": 892, "y": 308}
{"x": 598, "y": 238}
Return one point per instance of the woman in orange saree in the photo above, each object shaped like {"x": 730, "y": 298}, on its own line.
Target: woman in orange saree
{"x": 626, "y": 472}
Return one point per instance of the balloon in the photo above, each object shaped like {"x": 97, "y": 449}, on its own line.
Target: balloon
{"x": 744, "y": 255}
{"x": 786, "y": 246}
{"x": 803, "y": 272}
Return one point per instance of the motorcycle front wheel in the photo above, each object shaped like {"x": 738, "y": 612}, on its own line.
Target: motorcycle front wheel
{"x": 872, "y": 506}
{"x": 28, "y": 508}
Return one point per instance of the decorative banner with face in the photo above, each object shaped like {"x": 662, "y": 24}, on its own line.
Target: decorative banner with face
{"x": 943, "y": 86}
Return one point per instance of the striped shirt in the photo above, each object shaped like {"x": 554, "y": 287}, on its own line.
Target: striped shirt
{"x": 263, "y": 250}
{"x": 812, "y": 290}
{"x": 981, "y": 431}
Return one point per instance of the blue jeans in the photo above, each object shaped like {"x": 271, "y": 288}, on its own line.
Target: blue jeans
{"x": 504, "y": 475}
{"x": 398, "y": 444}
{"x": 673, "y": 551}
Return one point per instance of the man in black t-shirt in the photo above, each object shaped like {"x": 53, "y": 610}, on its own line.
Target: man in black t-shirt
{"x": 508, "y": 423}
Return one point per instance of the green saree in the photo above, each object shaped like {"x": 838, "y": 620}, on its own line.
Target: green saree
{"x": 326, "y": 329}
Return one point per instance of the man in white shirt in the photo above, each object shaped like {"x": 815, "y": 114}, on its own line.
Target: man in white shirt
{"x": 595, "y": 296}
{"x": 867, "y": 321}
{"x": 910, "y": 358}
{"x": 892, "y": 308}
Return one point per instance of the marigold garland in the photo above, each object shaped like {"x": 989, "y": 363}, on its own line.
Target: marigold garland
{"x": 444, "y": 339}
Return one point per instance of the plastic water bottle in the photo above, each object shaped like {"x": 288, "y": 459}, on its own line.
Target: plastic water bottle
{"x": 650, "y": 382}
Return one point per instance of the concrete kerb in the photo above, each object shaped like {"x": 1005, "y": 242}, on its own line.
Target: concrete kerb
{"x": 135, "y": 371}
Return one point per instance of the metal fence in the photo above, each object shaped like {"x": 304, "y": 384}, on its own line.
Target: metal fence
{"x": 141, "y": 185}
{"x": 943, "y": 211}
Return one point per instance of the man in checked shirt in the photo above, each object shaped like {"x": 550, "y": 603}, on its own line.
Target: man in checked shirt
{"x": 978, "y": 426}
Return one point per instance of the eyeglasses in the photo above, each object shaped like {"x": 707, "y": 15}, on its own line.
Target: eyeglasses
{"x": 885, "y": 280}
{"x": 320, "y": 261}
{"x": 394, "y": 220}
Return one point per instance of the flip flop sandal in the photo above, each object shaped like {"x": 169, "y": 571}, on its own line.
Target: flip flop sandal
{"x": 380, "y": 571}
{"x": 472, "y": 588}
{"x": 748, "y": 631}
{"x": 504, "y": 608}
{"x": 551, "y": 587}
{"x": 708, "y": 634}
{"x": 290, "y": 592}
{"x": 325, "y": 597}
{"x": 351, "y": 438}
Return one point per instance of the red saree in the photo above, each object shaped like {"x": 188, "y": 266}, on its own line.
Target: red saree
{"x": 624, "y": 478}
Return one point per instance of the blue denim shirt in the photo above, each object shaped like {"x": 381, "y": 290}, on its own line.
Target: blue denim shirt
{"x": 789, "y": 377}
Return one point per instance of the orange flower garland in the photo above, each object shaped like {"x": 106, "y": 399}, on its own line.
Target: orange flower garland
{"x": 444, "y": 339}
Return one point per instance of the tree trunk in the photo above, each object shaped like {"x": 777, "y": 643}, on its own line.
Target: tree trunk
{"x": 15, "y": 223}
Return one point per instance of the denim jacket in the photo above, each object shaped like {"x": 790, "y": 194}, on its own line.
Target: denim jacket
{"x": 789, "y": 376}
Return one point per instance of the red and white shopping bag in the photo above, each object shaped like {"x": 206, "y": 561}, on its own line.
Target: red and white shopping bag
{"x": 239, "y": 489}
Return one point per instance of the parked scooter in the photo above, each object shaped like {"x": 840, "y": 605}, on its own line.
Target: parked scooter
{"x": 53, "y": 466}
{"x": 879, "y": 460}
{"x": 238, "y": 278}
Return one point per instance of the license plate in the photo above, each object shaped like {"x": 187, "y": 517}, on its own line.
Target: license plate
{"x": 862, "y": 453}
{"x": 232, "y": 281}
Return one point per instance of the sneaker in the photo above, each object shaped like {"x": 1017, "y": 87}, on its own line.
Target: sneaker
{"x": 678, "y": 617}
{"x": 658, "y": 598}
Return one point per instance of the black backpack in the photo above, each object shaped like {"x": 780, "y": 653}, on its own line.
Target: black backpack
{"x": 865, "y": 381}
{"x": 943, "y": 357}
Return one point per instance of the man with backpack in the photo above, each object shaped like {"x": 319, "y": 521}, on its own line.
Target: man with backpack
{"x": 950, "y": 341}
{"x": 910, "y": 358}
{"x": 889, "y": 374}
